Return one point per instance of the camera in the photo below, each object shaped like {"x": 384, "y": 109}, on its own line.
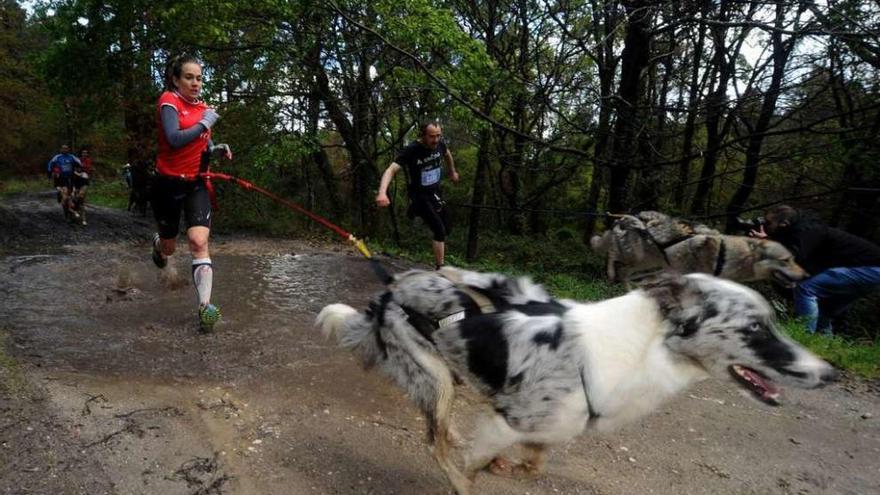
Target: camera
{"x": 748, "y": 224}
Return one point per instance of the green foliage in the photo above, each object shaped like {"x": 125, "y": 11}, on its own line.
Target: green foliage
{"x": 15, "y": 185}
{"x": 862, "y": 358}
{"x": 110, "y": 193}
{"x": 25, "y": 103}
{"x": 104, "y": 192}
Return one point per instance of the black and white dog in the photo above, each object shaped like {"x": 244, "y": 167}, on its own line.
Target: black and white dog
{"x": 552, "y": 367}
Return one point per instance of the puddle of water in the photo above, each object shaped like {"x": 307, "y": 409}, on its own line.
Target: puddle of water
{"x": 112, "y": 311}
{"x": 16, "y": 262}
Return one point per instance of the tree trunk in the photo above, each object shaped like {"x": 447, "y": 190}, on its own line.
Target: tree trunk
{"x": 716, "y": 104}
{"x": 781, "y": 51}
{"x": 694, "y": 99}
{"x": 605, "y": 66}
{"x": 479, "y": 192}
{"x": 318, "y": 156}
{"x": 633, "y": 61}
{"x": 362, "y": 166}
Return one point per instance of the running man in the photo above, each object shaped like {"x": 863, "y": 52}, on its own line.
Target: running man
{"x": 421, "y": 162}
{"x": 60, "y": 170}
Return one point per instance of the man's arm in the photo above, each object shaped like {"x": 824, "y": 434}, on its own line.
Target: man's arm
{"x": 382, "y": 198}
{"x": 450, "y": 166}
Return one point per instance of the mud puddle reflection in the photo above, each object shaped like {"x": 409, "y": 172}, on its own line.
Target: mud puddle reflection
{"x": 107, "y": 309}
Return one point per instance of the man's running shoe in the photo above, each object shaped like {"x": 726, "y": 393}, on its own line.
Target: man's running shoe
{"x": 158, "y": 259}
{"x": 209, "y": 315}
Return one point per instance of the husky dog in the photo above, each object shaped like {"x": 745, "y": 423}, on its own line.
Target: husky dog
{"x": 549, "y": 368}
{"x": 653, "y": 241}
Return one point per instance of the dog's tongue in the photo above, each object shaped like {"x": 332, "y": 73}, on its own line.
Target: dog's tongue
{"x": 761, "y": 387}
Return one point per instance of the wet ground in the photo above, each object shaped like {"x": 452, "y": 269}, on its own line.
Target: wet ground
{"x": 116, "y": 392}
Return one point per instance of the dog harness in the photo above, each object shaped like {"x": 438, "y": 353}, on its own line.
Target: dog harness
{"x": 426, "y": 326}
{"x": 663, "y": 246}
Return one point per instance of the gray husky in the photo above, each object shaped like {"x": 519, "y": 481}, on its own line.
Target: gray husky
{"x": 652, "y": 241}
{"x": 550, "y": 367}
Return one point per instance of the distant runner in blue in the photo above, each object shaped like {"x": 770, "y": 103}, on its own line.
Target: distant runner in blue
{"x": 421, "y": 162}
{"x": 60, "y": 170}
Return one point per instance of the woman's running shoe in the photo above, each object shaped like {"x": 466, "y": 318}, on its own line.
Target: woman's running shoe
{"x": 158, "y": 259}
{"x": 209, "y": 315}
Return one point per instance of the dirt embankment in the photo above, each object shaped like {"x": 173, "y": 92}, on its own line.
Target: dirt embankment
{"x": 115, "y": 392}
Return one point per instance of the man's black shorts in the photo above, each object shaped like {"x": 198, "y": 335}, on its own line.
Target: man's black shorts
{"x": 432, "y": 209}
{"x": 64, "y": 180}
{"x": 171, "y": 196}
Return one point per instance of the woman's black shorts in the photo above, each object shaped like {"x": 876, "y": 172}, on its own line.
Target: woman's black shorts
{"x": 171, "y": 196}
{"x": 79, "y": 182}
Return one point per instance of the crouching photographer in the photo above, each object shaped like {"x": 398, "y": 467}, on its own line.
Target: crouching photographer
{"x": 843, "y": 267}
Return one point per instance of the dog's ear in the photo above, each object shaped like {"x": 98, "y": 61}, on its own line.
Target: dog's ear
{"x": 666, "y": 288}
{"x": 678, "y": 299}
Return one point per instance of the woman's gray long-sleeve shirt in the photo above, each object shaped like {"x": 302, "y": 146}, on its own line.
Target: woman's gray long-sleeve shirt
{"x": 176, "y": 136}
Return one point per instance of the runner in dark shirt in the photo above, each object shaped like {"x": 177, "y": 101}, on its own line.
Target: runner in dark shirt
{"x": 422, "y": 164}
{"x": 843, "y": 267}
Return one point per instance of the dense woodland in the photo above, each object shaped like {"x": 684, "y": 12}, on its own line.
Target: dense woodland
{"x": 554, "y": 110}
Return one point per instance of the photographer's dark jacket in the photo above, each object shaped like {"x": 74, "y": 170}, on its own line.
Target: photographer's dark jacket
{"x": 817, "y": 247}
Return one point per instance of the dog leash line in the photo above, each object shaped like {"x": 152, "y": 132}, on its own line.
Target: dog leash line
{"x": 359, "y": 244}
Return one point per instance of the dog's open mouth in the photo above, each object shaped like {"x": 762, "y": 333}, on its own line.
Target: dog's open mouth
{"x": 757, "y": 384}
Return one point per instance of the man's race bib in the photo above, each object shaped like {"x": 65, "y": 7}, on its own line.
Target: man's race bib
{"x": 431, "y": 176}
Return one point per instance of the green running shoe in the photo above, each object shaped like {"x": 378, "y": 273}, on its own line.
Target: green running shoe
{"x": 208, "y": 316}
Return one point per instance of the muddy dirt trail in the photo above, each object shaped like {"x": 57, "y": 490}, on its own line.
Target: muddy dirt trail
{"x": 116, "y": 392}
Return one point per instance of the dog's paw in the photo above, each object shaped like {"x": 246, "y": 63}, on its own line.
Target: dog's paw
{"x": 500, "y": 467}
{"x": 528, "y": 469}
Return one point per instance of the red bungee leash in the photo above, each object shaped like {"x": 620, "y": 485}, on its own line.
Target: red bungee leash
{"x": 248, "y": 186}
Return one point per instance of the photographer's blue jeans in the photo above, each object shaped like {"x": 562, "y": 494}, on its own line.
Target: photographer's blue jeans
{"x": 822, "y": 297}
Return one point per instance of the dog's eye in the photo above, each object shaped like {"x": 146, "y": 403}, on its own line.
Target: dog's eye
{"x": 755, "y": 327}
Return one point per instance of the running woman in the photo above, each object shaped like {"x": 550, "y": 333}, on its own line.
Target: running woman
{"x": 185, "y": 148}
{"x": 81, "y": 180}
